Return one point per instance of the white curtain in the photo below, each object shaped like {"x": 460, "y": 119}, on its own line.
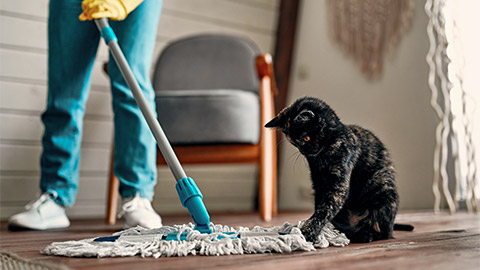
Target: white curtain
{"x": 454, "y": 62}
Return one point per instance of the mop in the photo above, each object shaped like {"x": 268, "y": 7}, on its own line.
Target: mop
{"x": 201, "y": 237}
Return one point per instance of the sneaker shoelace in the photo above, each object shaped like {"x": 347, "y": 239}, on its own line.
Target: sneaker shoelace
{"x": 41, "y": 200}
{"x": 134, "y": 204}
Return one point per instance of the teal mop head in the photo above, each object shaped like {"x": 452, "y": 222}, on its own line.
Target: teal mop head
{"x": 223, "y": 240}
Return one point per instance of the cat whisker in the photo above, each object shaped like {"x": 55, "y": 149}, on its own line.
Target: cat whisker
{"x": 296, "y": 156}
{"x": 318, "y": 152}
{"x": 282, "y": 141}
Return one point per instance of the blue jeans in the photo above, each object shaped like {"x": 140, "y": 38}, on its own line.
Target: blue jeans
{"x": 72, "y": 48}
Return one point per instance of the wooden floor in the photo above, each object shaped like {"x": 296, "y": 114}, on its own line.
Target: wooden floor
{"x": 438, "y": 242}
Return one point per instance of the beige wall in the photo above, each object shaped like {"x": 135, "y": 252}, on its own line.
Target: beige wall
{"x": 23, "y": 61}
{"x": 396, "y": 107}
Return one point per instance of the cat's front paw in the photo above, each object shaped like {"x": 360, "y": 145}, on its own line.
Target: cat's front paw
{"x": 310, "y": 230}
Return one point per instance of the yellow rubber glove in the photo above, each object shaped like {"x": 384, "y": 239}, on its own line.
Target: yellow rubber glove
{"x": 113, "y": 9}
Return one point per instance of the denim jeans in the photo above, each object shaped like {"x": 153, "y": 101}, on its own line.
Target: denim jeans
{"x": 72, "y": 46}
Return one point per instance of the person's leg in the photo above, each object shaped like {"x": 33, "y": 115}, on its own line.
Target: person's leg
{"x": 72, "y": 46}
{"x": 135, "y": 151}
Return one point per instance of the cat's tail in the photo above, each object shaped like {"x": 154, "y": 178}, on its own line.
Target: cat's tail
{"x": 403, "y": 227}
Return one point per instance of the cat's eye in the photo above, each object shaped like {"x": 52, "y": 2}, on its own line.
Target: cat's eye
{"x": 306, "y": 139}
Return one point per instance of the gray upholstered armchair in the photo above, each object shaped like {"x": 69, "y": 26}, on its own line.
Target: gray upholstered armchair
{"x": 214, "y": 93}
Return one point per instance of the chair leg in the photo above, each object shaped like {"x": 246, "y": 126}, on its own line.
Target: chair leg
{"x": 267, "y": 176}
{"x": 274, "y": 176}
{"x": 112, "y": 200}
{"x": 265, "y": 187}
{"x": 268, "y": 163}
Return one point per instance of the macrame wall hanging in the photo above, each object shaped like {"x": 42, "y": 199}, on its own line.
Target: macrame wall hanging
{"x": 368, "y": 29}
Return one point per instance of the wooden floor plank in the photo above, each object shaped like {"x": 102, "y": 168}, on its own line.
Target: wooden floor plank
{"x": 439, "y": 241}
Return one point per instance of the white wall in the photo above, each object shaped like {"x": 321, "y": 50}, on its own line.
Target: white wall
{"x": 396, "y": 107}
{"x": 23, "y": 69}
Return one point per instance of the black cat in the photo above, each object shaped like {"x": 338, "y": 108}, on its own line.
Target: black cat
{"x": 351, "y": 171}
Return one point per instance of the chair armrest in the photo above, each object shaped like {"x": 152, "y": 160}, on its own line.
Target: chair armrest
{"x": 265, "y": 69}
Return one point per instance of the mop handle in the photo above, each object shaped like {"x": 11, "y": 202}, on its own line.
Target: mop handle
{"x": 162, "y": 141}
{"x": 187, "y": 190}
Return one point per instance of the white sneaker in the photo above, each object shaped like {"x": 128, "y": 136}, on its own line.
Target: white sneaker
{"x": 42, "y": 214}
{"x": 139, "y": 211}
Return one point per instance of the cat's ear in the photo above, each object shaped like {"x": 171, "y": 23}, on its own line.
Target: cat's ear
{"x": 304, "y": 116}
{"x": 276, "y": 122}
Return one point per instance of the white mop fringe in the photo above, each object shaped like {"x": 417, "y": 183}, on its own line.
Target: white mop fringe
{"x": 199, "y": 244}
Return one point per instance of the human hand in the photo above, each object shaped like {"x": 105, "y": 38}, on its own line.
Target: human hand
{"x": 113, "y": 9}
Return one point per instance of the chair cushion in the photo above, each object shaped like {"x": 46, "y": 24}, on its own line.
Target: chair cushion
{"x": 209, "y": 116}
{"x": 208, "y": 61}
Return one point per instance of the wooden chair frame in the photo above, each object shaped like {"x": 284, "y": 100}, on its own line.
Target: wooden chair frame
{"x": 264, "y": 154}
